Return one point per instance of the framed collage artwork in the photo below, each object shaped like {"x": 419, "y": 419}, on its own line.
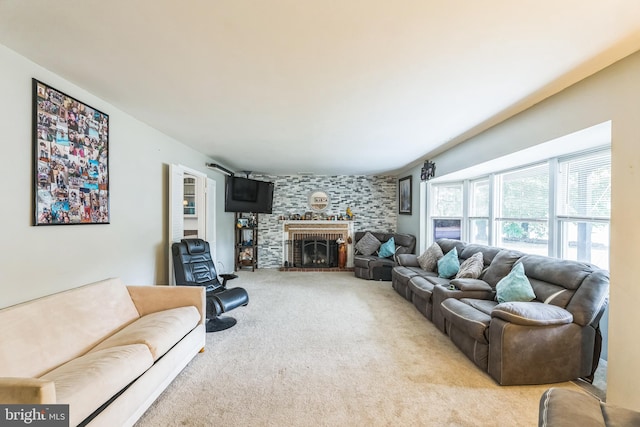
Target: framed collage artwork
{"x": 71, "y": 159}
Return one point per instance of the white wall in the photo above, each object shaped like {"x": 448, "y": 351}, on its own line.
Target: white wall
{"x": 612, "y": 94}
{"x": 36, "y": 261}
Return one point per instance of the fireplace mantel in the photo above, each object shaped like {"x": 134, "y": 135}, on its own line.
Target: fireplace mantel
{"x": 292, "y": 227}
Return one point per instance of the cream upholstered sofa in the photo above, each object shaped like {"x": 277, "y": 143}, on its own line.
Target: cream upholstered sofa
{"x": 106, "y": 349}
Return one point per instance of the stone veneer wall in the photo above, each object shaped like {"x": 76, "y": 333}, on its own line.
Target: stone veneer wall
{"x": 372, "y": 199}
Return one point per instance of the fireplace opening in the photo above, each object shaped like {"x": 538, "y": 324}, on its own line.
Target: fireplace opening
{"x": 313, "y": 251}
{"x": 319, "y": 253}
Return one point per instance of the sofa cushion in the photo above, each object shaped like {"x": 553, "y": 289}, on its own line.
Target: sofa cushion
{"x": 368, "y": 244}
{"x": 532, "y": 313}
{"x": 437, "y": 280}
{"x": 484, "y": 305}
{"x": 515, "y": 286}
{"x": 471, "y": 268}
{"x": 488, "y": 252}
{"x": 61, "y": 326}
{"x": 466, "y": 318}
{"x": 88, "y": 381}
{"x": 405, "y": 243}
{"x": 471, "y": 285}
{"x": 501, "y": 266}
{"x": 421, "y": 287}
{"x": 387, "y": 249}
{"x": 449, "y": 264}
{"x": 362, "y": 261}
{"x": 158, "y": 331}
{"x": 429, "y": 258}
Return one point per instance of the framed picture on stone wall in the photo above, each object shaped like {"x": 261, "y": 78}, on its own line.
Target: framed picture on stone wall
{"x": 70, "y": 159}
{"x": 404, "y": 195}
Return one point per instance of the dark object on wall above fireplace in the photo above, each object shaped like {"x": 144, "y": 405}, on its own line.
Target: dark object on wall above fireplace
{"x": 248, "y": 195}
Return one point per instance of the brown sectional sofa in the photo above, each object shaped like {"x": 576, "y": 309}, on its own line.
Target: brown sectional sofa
{"x": 554, "y": 338}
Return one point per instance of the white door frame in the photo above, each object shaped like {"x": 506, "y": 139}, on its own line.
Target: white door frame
{"x": 176, "y": 209}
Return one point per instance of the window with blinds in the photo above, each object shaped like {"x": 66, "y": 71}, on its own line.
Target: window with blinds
{"x": 446, "y": 200}
{"x": 523, "y": 209}
{"x": 479, "y": 211}
{"x": 512, "y": 209}
{"x": 446, "y": 210}
{"x": 584, "y": 186}
{"x": 584, "y": 207}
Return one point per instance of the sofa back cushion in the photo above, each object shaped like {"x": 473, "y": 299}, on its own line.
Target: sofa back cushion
{"x": 581, "y": 288}
{"x": 500, "y": 266}
{"x": 405, "y": 243}
{"x": 488, "y": 252}
{"x": 39, "y": 335}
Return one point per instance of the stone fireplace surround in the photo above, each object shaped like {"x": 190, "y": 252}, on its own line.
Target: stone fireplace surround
{"x": 293, "y": 230}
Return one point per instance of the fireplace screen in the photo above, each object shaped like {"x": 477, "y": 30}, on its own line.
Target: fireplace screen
{"x": 313, "y": 251}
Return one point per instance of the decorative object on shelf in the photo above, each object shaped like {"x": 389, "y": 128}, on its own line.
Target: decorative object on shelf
{"x": 71, "y": 160}
{"x": 428, "y": 171}
{"x": 319, "y": 201}
{"x": 404, "y": 195}
{"x": 246, "y": 255}
{"x": 349, "y": 214}
{"x": 246, "y": 241}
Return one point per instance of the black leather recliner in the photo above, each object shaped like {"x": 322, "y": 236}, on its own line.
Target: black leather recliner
{"x": 193, "y": 266}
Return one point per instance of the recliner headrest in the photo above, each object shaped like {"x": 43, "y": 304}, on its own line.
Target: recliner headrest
{"x": 195, "y": 246}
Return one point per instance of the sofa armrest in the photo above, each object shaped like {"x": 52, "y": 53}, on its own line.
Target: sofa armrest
{"x": 532, "y": 314}
{"x": 151, "y": 299}
{"x": 407, "y": 260}
{"x": 471, "y": 285}
{"x": 445, "y": 292}
{"x": 27, "y": 391}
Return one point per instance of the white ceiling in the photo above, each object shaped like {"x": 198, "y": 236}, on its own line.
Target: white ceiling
{"x": 321, "y": 86}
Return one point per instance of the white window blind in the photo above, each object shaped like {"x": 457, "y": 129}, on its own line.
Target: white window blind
{"x": 479, "y": 198}
{"x": 447, "y": 200}
{"x": 524, "y": 193}
{"x": 584, "y": 186}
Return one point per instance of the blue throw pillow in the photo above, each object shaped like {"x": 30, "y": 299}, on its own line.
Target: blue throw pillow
{"x": 387, "y": 249}
{"x": 449, "y": 264}
{"x": 515, "y": 286}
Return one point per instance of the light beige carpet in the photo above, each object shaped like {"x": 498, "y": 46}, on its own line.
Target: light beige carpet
{"x": 328, "y": 349}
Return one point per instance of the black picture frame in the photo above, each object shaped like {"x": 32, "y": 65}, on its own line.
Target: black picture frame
{"x": 404, "y": 195}
{"x": 70, "y": 160}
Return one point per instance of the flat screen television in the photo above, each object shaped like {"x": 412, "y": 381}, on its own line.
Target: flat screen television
{"x": 248, "y": 195}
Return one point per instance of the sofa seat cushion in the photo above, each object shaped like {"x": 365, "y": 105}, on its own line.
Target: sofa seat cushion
{"x": 87, "y": 382}
{"x": 471, "y": 321}
{"x": 159, "y": 331}
{"x": 363, "y": 261}
{"x": 532, "y": 313}
{"x": 421, "y": 287}
{"x": 483, "y": 305}
{"x": 438, "y": 280}
{"x": 404, "y": 274}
